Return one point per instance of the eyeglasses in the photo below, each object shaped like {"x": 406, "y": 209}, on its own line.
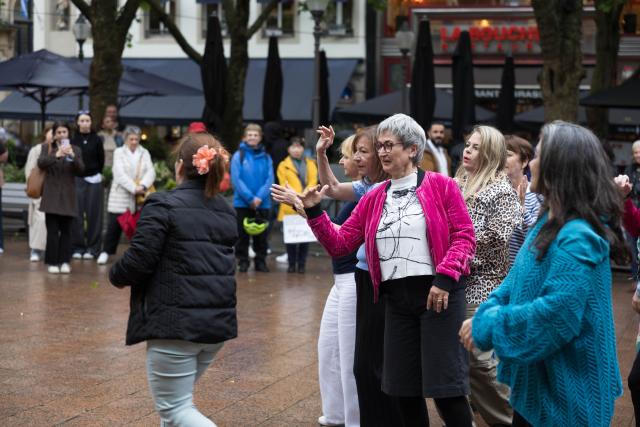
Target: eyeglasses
{"x": 387, "y": 146}
{"x": 81, "y": 112}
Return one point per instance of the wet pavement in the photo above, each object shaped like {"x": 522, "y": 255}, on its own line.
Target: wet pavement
{"x": 63, "y": 360}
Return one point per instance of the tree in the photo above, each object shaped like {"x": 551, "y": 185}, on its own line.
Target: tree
{"x": 607, "y": 43}
{"x": 560, "y": 26}
{"x": 110, "y": 29}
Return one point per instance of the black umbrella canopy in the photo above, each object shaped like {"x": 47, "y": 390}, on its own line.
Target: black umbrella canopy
{"x": 376, "y": 109}
{"x": 626, "y": 95}
{"x": 507, "y": 98}
{"x": 214, "y": 76}
{"x": 422, "y": 97}
{"x": 324, "y": 88}
{"x": 135, "y": 83}
{"x": 464, "y": 98}
{"x": 272, "y": 89}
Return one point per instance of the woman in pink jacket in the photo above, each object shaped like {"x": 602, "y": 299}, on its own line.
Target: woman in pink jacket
{"x": 419, "y": 243}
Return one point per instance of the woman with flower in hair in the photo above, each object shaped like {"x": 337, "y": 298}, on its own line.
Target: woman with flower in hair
{"x": 181, "y": 270}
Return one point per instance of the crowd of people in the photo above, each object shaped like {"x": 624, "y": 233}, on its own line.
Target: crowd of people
{"x": 478, "y": 277}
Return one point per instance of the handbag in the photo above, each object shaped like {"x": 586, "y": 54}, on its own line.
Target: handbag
{"x": 128, "y": 222}
{"x": 140, "y": 198}
{"x": 35, "y": 182}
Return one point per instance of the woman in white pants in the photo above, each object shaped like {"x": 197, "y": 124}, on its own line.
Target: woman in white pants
{"x": 37, "y": 226}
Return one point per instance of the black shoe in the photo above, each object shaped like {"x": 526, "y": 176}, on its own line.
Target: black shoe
{"x": 291, "y": 269}
{"x": 261, "y": 266}
{"x": 301, "y": 269}
{"x": 243, "y": 266}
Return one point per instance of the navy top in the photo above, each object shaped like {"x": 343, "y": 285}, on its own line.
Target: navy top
{"x": 347, "y": 263}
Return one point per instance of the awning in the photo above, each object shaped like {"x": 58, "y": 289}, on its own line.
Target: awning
{"x": 376, "y": 109}
{"x": 617, "y": 116}
{"x": 296, "y": 104}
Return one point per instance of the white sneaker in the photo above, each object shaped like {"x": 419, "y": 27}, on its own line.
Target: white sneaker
{"x": 268, "y": 251}
{"x": 252, "y": 254}
{"x": 322, "y": 420}
{"x": 34, "y": 257}
{"x": 283, "y": 259}
{"x": 65, "y": 268}
{"x": 1, "y": 251}
{"x": 87, "y": 256}
{"x": 103, "y": 258}
{"x": 76, "y": 255}
{"x": 54, "y": 269}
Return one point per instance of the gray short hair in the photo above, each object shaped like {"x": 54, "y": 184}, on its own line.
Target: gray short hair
{"x": 635, "y": 145}
{"x": 131, "y": 130}
{"x": 407, "y": 130}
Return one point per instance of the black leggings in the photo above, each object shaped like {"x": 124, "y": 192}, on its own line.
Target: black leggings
{"x": 634, "y": 387}
{"x": 453, "y": 410}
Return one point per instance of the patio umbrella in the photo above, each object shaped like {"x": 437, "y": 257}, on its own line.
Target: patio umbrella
{"x": 42, "y": 76}
{"x": 214, "y": 76}
{"x": 324, "y": 88}
{"x": 464, "y": 99}
{"x": 422, "y": 96}
{"x": 626, "y": 95}
{"x": 507, "y": 99}
{"x": 272, "y": 89}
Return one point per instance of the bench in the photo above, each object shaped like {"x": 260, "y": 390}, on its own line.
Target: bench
{"x": 15, "y": 202}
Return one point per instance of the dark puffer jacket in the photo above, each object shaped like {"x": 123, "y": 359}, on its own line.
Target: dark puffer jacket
{"x": 181, "y": 268}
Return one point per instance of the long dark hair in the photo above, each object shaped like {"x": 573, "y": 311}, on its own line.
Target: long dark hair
{"x": 576, "y": 182}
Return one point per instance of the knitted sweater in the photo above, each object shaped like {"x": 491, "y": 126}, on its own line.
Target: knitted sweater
{"x": 551, "y": 325}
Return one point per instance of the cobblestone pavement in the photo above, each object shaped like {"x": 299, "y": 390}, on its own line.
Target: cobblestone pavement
{"x": 63, "y": 360}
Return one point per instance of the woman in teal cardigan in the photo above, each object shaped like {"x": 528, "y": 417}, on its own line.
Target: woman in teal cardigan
{"x": 551, "y": 321}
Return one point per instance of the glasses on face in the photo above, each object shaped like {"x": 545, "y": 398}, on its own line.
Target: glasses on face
{"x": 386, "y": 146}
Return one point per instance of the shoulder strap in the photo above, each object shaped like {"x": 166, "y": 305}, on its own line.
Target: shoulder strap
{"x": 139, "y": 168}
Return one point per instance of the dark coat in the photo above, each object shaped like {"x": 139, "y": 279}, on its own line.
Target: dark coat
{"x": 181, "y": 268}
{"x": 59, "y": 190}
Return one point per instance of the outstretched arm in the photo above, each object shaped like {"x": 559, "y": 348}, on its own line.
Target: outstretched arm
{"x": 336, "y": 189}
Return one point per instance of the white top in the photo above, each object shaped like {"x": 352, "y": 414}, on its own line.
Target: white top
{"x": 439, "y": 153}
{"x": 401, "y": 238}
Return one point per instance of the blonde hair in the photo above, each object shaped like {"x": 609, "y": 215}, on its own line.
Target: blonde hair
{"x": 346, "y": 148}
{"x": 253, "y": 127}
{"x": 492, "y": 157}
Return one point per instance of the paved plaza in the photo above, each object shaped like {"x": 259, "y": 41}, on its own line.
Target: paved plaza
{"x": 63, "y": 360}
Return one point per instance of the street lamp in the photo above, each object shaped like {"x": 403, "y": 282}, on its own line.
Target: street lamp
{"x": 404, "y": 41}
{"x": 81, "y": 31}
{"x": 317, "y": 8}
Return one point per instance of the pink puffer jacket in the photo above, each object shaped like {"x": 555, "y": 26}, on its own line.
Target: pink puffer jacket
{"x": 449, "y": 229}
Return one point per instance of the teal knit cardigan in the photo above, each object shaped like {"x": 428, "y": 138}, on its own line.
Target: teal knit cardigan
{"x": 551, "y": 325}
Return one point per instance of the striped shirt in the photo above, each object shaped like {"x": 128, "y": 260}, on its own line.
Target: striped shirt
{"x": 532, "y": 202}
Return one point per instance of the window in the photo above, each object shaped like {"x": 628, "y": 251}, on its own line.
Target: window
{"x": 61, "y": 15}
{"x": 340, "y": 18}
{"x": 213, "y": 9}
{"x": 280, "y": 22}
{"x": 153, "y": 25}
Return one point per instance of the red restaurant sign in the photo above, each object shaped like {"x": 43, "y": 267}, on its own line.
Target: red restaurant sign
{"x": 519, "y": 36}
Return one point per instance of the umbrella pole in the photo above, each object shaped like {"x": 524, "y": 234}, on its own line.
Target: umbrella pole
{"x": 43, "y": 106}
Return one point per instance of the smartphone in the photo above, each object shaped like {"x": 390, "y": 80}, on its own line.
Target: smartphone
{"x": 64, "y": 142}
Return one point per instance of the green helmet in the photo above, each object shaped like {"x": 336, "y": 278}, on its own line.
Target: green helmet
{"x": 255, "y": 226}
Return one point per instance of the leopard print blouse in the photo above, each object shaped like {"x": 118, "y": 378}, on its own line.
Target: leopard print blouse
{"x": 495, "y": 213}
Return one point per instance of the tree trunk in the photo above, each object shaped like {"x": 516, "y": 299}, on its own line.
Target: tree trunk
{"x": 560, "y": 26}
{"x": 604, "y": 73}
{"x": 233, "y": 114}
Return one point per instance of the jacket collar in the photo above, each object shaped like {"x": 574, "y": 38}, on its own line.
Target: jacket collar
{"x": 191, "y": 184}
{"x": 421, "y": 176}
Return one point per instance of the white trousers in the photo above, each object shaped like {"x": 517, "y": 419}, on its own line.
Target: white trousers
{"x": 336, "y": 345}
{"x": 37, "y": 227}
{"x": 173, "y": 367}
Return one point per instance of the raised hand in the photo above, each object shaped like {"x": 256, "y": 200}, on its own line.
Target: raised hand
{"x": 522, "y": 189}
{"x": 325, "y": 140}
{"x": 623, "y": 183}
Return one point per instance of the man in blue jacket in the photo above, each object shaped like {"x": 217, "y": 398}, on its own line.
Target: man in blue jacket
{"x": 251, "y": 177}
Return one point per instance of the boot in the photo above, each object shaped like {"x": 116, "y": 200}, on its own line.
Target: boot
{"x": 243, "y": 266}
{"x": 261, "y": 265}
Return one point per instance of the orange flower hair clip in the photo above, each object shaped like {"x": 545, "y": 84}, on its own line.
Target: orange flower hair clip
{"x": 203, "y": 157}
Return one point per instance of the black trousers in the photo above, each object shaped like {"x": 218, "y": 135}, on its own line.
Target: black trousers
{"x": 260, "y": 242}
{"x": 297, "y": 253}
{"x": 90, "y": 200}
{"x": 634, "y": 386}
{"x": 58, "y": 250}
{"x": 113, "y": 234}
{"x": 376, "y": 407}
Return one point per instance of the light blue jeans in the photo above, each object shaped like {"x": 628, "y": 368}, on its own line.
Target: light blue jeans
{"x": 173, "y": 367}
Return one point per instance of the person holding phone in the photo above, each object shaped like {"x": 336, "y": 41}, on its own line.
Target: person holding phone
{"x": 62, "y": 162}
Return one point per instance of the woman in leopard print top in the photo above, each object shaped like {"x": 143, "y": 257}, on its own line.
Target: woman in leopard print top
{"x": 495, "y": 212}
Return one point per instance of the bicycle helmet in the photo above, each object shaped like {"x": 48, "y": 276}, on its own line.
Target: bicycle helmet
{"x": 255, "y": 226}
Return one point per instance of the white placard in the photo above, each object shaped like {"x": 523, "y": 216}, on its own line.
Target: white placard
{"x": 296, "y": 230}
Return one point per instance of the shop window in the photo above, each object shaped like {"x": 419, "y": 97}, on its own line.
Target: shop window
{"x": 213, "y": 9}
{"x": 153, "y": 25}
{"x": 61, "y": 15}
{"x": 280, "y": 21}
{"x": 340, "y": 18}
